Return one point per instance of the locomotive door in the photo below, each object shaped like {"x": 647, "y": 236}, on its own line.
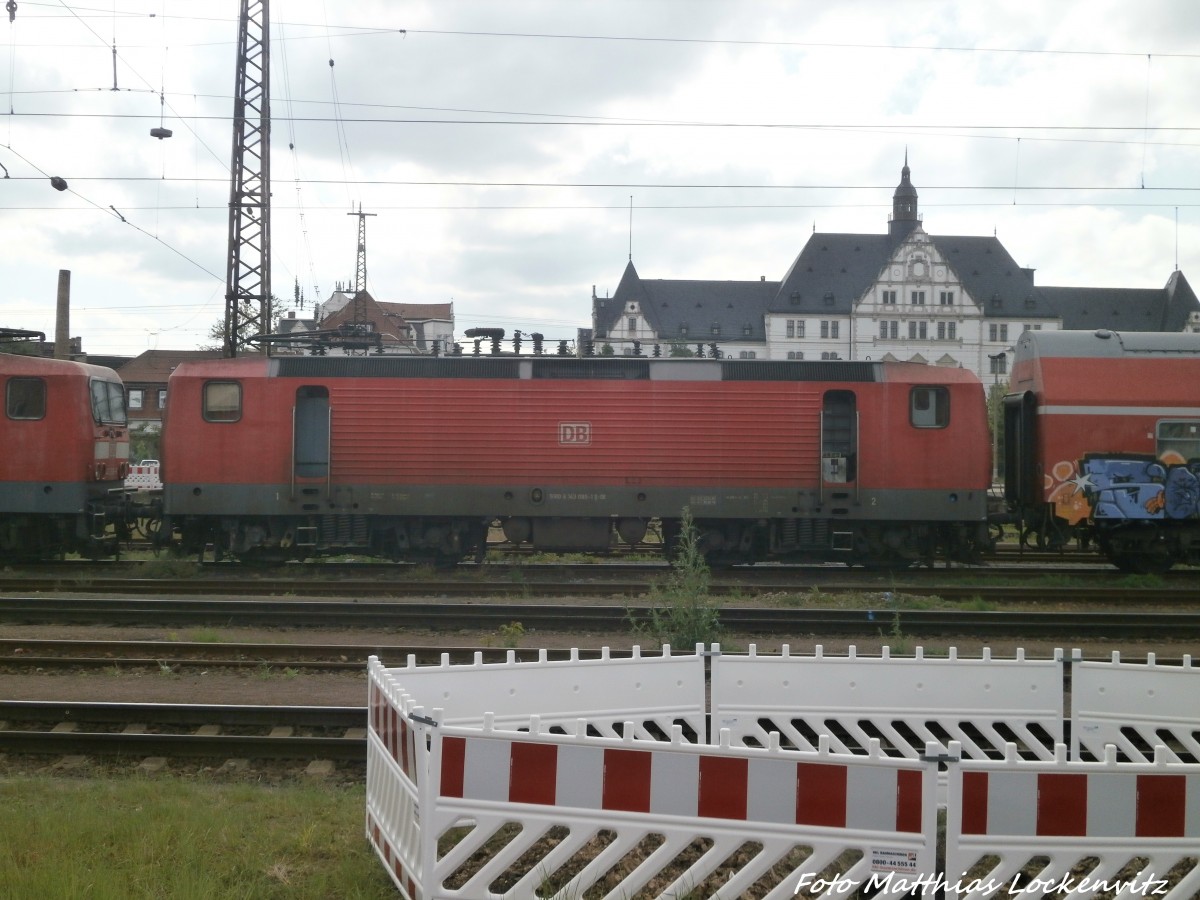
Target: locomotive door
{"x": 310, "y": 435}
{"x": 839, "y": 438}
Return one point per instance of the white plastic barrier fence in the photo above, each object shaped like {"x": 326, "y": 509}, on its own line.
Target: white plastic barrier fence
{"x": 396, "y": 763}
{"x": 906, "y": 703}
{"x": 1034, "y": 828}
{"x": 1136, "y": 708}
{"x": 143, "y": 477}
{"x": 540, "y": 815}
{"x": 555, "y": 778}
{"x": 657, "y": 692}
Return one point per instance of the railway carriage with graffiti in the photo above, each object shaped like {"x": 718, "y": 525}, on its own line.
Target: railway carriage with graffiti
{"x": 1102, "y": 444}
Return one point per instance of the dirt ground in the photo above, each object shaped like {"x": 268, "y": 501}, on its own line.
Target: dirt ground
{"x": 276, "y": 686}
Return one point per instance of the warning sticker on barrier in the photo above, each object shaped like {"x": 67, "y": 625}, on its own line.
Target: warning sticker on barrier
{"x": 893, "y": 860}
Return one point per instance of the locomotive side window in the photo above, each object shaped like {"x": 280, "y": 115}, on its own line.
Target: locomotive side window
{"x": 222, "y": 401}
{"x": 25, "y": 398}
{"x": 929, "y": 407}
{"x": 1181, "y": 439}
{"x": 108, "y": 402}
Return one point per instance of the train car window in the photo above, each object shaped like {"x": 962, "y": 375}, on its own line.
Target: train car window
{"x": 222, "y": 401}
{"x": 108, "y": 402}
{"x": 929, "y": 407}
{"x": 1179, "y": 442}
{"x": 25, "y": 398}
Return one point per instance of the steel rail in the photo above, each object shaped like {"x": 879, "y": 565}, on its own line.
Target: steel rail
{"x": 585, "y": 617}
{"x": 136, "y": 738}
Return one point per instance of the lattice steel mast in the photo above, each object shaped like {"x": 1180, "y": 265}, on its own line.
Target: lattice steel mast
{"x": 248, "y": 273}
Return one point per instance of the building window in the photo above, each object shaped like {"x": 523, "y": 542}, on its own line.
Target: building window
{"x": 998, "y": 332}
{"x": 795, "y": 354}
{"x": 918, "y": 298}
{"x": 162, "y": 399}
{"x": 137, "y": 398}
{"x": 25, "y": 398}
{"x": 791, "y": 328}
{"x": 747, "y": 354}
{"x": 952, "y": 331}
{"x": 946, "y": 298}
{"x": 222, "y": 401}
{"x": 999, "y": 364}
{"x": 918, "y": 331}
{"x": 799, "y": 328}
{"x": 941, "y": 331}
{"x": 929, "y": 407}
{"x": 889, "y": 298}
{"x": 883, "y": 329}
{"x": 633, "y": 324}
{"x": 829, "y": 329}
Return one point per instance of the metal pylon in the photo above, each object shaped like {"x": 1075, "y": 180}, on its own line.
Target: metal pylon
{"x": 248, "y": 273}
{"x": 360, "y": 269}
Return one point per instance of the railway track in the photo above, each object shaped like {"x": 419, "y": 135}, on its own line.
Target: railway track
{"x": 55, "y": 655}
{"x": 745, "y": 620}
{"x": 602, "y": 582}
{"x": 156, "y": 731}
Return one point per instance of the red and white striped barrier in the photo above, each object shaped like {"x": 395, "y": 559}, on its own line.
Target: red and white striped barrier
{"x": 876, "y": 813}
{"x": 143, "y": 478}
{"x": 555, "y": 778}
{"x": 1073, "y": 826}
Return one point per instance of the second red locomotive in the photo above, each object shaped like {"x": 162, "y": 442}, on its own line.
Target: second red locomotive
{"x": 66, "y": 449}
{"x": 872, "y": 463}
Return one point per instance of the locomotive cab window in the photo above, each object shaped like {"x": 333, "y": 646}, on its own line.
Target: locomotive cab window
{"x": 222, "y": 401}
{"x": 25, "y": 398}
{"x": 1179, "y": 442}
{"x": 929, "y": 407}
{"x": 108, "y": 402}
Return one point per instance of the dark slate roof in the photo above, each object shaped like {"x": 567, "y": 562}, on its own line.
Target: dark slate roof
{"x": 834, "y": 270}
{"x": 1122, "y": 309}
{"x": 993, "y": 279}
{"x": 1126, "y": 309}
{"x": 736, "y": 308}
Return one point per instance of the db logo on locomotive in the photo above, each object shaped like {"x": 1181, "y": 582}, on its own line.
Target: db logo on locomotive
{"x": 574, "y": 432}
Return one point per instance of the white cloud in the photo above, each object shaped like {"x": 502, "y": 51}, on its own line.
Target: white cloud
{"x": 1064, "y": 127}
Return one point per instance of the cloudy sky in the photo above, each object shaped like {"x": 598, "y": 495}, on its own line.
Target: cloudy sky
{"x": 504, "y": 146}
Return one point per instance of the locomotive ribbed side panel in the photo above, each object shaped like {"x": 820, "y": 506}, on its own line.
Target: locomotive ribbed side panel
{"x": 499, "y": 431}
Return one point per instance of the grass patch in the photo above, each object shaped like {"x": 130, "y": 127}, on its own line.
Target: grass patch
{"x": 162, "y": 837}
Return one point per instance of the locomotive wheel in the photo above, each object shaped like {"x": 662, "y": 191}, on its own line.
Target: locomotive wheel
{"x": 1151, "y": 562}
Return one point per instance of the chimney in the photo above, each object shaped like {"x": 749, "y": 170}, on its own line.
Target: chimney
{"x": 62, "y": 321}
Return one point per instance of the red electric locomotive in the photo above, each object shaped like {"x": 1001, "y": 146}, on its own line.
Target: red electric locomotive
{"x": 66, "y": 449}
{"x": 1102, "y": 443}
{"x": 414, "y": 457}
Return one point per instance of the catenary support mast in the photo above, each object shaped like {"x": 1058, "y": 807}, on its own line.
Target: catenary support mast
{"x": 248, "y": 272}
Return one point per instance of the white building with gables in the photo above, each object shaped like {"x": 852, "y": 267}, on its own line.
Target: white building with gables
{"x": 903, "y": 295}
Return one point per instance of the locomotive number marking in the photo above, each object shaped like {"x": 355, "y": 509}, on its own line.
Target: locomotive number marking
{"x": 574, "y": 432}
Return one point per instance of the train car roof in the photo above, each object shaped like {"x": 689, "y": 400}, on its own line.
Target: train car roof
{"x": 1103, "y": 343}
{"x": 17, "y": 364}
{"x": 573, "y": 368}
